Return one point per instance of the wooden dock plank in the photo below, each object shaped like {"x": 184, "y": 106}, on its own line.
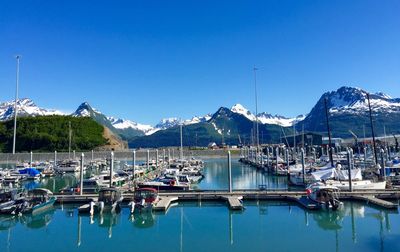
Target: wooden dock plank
{"x": 234, "y": 202}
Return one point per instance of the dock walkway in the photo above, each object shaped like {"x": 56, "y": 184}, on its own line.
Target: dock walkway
{"x": 233, "y": 199}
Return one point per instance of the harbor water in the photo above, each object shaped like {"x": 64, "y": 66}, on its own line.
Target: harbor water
{"x": 211, "y": 226}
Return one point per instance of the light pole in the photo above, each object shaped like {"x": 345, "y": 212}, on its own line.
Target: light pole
{"x": 15, "y": 104}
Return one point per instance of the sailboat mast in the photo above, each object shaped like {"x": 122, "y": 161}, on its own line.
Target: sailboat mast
{"x": 181, "y": 151}
{"x": 70, "y": 138}
{"x": 256, "y": 99}
{"x": 329, "y": 132}
{"x": 15, "y": 105}
{"x": 372, "y": 129}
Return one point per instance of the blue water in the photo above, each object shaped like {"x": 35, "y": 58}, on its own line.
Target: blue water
{"x": 206, "y": 226}
{"x": 272, "y": 226}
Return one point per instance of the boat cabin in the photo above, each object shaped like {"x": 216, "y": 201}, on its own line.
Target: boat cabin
{"x": 148, "y": 194}
{"x": 109, "y": 195}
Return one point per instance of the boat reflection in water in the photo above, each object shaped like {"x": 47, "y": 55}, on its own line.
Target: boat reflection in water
{"x": 145, "y": 219}
{"x": 37, "y": 221}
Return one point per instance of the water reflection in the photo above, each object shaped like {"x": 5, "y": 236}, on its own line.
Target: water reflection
{"x": 183, "y": 223}
{"x": 145, "y": 219}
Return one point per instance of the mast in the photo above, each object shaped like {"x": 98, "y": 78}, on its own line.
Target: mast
{"x": 329, "y": 131}
{"x": 15, "y": 104}
{"x": 372, "y": 129}
{"x": 181, "y": 150}
{"x": 70, "y": 138}
{"x": 256, "y": 100}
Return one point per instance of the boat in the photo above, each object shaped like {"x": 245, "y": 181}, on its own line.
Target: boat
{"x": 109, "y": 200}
{"x": 167, "y": 184}
{"x": 38, "y": 200}
{"x": 144, "y": 199}
{"x": 88, "y": 185}
{"x": 326, "y": 196}
{"x": 67, "y": 166}
{"x": 11, "y": 201}
{"x": 340, "y": 179}
{"x": 30, "y": 173}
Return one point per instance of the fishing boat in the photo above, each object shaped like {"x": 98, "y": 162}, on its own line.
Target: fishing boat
{"x": 38, "y": 200}
{"x": 11, "y": 201}
{"x": 109, "y": 200}
{"x": 144, "y": 199}
{"x": 325, "y": 196}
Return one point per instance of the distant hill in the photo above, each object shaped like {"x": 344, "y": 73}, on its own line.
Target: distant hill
{"x": 49, "y": 133}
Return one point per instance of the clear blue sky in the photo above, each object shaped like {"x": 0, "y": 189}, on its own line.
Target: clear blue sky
{"x": 145, "y": 60}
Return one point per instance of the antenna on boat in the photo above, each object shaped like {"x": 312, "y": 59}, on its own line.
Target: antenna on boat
{"x": 15, "y": 104}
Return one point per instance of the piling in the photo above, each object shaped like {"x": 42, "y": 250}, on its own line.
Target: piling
{"x": 148, "y": 160}
{"x": 303, "y": 166}
{"x": 133, "y": 163}
{"x": 92, "y": 156}
{"x": 55, "y": 159}
{"x": 156, "y": 159}
{"x": 229, "y": 171}
{"x": 111, "y": 167}
{"x": 276, "y": 158}
{"x": 31, "y": 159}
{"x": 287, "y": 159}
{"x": 81, "y": 175}
{"x": 383, "y": 171}
{"x": 268, "y": 157}
{"x": 73, "y": 154}
{"x": 349, "y": 164}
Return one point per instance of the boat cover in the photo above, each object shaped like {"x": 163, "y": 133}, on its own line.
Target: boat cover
{"x": 30, "y": 171}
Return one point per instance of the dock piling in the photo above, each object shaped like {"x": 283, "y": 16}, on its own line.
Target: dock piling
{"x": 31, "y": 159}
{"x": 303, "y": 166}
{"x": 230, "y": 171}
{"x": 111, "y": 167}
{"x": 81, "y": 175}
{"x": 349, "y": 164}
{"x": 133, "y": 163}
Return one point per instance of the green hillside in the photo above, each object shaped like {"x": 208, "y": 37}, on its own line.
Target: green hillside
{"x": 49, "y": 133}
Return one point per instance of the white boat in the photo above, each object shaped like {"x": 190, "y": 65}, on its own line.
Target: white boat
{"x": 67, "y": 166}
{"x": 340, "y": 179}
{"x": 326, "y": 196}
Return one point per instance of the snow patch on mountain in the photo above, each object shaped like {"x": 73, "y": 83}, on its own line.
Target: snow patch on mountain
{"x": 266, "y": 118}
{"x": 25, "y": 107}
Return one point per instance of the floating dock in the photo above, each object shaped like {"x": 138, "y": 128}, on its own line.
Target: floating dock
{"x": 234, "y": 199}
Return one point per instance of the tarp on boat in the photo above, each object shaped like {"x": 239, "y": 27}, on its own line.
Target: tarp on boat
{"x": 323, "y": 174}
{"x": 32, "y": 172}
{"x": 344, "y": 174}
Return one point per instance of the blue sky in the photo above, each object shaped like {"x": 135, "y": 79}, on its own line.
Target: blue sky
{"x": 146, "y": 60}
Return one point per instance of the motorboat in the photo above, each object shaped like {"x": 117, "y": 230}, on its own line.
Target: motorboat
{"x": 326, "y": 196}
{"x": 109, "y": 200}
{"x": 67, "y": 166}
{"x": 144, "y": 199}
{"x": 11, "y": 200}
{"x": 38, "y": 200}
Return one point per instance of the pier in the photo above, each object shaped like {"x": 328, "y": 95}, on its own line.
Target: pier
{"x": 234, "y": 199}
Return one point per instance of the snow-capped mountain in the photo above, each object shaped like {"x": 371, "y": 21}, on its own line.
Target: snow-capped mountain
{"x": 125, "y": 124}
{"x": 266, "y": 118}
{"x": 26, "y": 107}
{"x": 348, "y": 110}
{"x": 354, "y": 100}
{"x": 174, "y": 121}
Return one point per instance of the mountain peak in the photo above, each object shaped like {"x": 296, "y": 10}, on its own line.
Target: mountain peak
{"x": 26, "y": 107}
{"x": 240, "y": 109}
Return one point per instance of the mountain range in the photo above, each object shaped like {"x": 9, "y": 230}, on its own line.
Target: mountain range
{"x": 348, "y": 110}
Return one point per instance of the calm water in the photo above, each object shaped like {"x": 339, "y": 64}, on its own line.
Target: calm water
{"x": 272, "y": 226}
{"x": 195, "y": 226}
{"x": 215, "y": 172}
